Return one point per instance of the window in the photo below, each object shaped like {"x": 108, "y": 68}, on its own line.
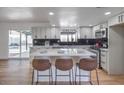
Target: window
{"x": 19, "y": 43}
{"x": 64, "y": 37}
{"x": 68, "y": 37}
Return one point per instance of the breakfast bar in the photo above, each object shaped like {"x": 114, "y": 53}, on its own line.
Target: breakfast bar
{"x": 53, "y": 54}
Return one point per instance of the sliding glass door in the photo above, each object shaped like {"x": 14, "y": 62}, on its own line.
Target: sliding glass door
{"x": 19, "y": 43}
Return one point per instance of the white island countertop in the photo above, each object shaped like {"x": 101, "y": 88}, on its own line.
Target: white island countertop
{"x": 62, "y": 52}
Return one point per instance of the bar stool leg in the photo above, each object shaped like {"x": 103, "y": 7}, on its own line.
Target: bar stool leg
{"x": 70, "y": 77}
{"x": 51, "y": 75}
{"x": 32, "y": 76}
{"x": 55, "y": 76}
{"x": 76, "y": 75}
{"x": 79, "y": 76}
{"x": 97, "y": 76}
{"x": 90, "y": 79}
{"x": 37, "y": 78}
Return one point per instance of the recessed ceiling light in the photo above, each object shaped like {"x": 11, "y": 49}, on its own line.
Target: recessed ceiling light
{"x": 75, "y": 24}
{"x": 53, "y": 25}
{"x": 51, "y": 13}
{"x": 71, "y": 25}
{"x": 107, "y": 13}
{"x": 90, "y": 25}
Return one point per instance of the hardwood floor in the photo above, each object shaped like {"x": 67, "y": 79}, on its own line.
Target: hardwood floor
{"x": 19, "y": 72}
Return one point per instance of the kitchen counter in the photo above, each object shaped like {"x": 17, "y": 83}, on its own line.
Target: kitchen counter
{"x": 63, "y": 46}
{"x": 62, "y": 52}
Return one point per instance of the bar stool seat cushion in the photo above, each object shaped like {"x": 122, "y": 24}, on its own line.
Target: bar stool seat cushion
{"x": 87, "y": 64}
{"x": 41, "y": 64}
{"x": 64, "y": 64}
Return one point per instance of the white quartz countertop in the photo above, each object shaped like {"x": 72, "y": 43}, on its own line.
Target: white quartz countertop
{"x": 62, "y": 52}
{"x": 59, "y": 46}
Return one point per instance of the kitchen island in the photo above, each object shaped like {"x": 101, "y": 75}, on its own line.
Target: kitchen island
{"x": 53, "y": 54}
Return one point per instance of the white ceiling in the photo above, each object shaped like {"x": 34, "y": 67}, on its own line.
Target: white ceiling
{"x": 83, "y": 16}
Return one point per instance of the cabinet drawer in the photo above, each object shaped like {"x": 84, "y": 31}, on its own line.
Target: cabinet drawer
{"x": 103, "y": 58}
{"x": 103, "y": 52}
{"x": 103, "y": 55}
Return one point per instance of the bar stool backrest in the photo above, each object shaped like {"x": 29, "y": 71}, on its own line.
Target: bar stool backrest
{"x": 88, "y": 64}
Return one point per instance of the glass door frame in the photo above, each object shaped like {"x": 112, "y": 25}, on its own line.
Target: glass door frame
{"x": 20, "y": 44}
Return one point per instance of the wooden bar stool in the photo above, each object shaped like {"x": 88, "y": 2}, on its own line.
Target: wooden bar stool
{"x": 87, "y": 64}
{"x": 42, "y": 64}
{"x": 64, "y": 64}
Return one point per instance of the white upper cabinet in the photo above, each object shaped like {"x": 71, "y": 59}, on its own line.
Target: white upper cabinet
{"x": 48, "y": 33}
{"x": 38, "y": 32}
{"x": 42, "y": 33}
{"x": 78, "y": 33}
{"x": 45, "y": 33}
{"x": 57, "y": 36}
{"x": 55, "y": 33}
{"x": 33, "y": 33}
{"x": 119, "y": 19}
{"x": 85, "y": 32}
{"x": 98, "y": 29}
{"x": 94, "y": 30}
{"x": 113, "y": 21}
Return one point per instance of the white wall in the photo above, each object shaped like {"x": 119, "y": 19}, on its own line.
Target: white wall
{"x": 116, "y": 50}
{"x": 3, "y": 41}
{"x": 5, "y": 27}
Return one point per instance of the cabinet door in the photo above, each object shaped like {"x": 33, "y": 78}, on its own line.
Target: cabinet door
{"x": 85, "y": 33}
{"x": 104, "y": 60}
{"x": 104, "y": 66}
{"x": 42, "y": 32}
{"x": 113, "y": 21}
{"x": 57, "y": 33}
{"x": 48, "y": 33}
{"x": 88, "y": 33}
{"x": 34, "y": 33}
{"x": 122, "y": 18}
{"x": 93, "y": 32}
{"x": 53, "y": 33}
{"x": 78, "y": 33}
{"x": 38, "y": 32}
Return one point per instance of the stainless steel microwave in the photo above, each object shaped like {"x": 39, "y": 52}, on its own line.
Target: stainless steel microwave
{"x": 102, "y": 33}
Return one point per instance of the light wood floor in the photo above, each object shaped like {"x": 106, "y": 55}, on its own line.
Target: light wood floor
{"x": 19, "y": 72}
